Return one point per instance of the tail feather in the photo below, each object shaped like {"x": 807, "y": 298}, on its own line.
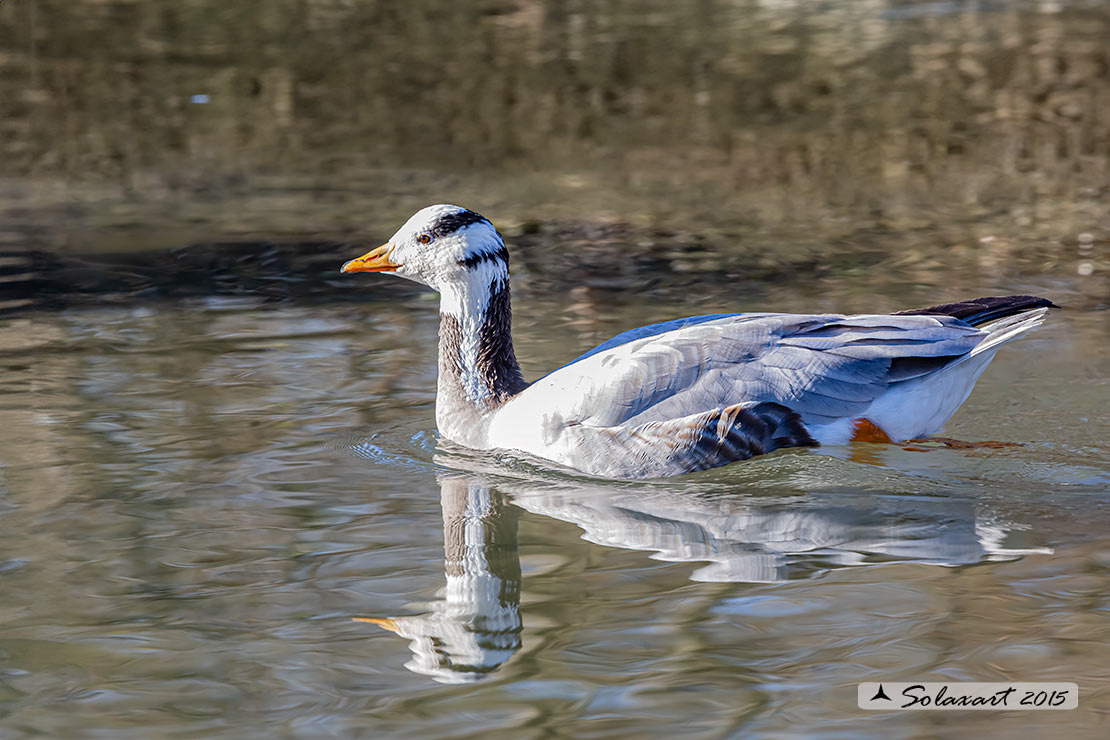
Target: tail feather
{"x": 1008, "y": 329}
{"x": 927, "y": 402}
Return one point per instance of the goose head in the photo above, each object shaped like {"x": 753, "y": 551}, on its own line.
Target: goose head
{"x": 459, "y": 254}
{"x": 441, "y": 246}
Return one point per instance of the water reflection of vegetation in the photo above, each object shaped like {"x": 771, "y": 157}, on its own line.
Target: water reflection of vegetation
{"x": 718, "y": 114}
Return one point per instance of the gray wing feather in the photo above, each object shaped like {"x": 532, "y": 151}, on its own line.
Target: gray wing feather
{"x": 696, "y": 442}
{"x": 823, "y": 367}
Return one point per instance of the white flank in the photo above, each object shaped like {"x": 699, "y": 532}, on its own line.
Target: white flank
{"x": 918, "y": 408}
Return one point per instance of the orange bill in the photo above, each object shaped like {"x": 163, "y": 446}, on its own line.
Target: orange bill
{"x": 376, "y": 260}
{"x": 385, "y": 624}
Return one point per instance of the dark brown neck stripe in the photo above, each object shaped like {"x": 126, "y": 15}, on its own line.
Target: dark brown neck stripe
{"x": 496, "y": 364}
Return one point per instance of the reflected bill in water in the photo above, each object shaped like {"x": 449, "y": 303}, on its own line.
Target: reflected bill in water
{"x": 476, "y": 626}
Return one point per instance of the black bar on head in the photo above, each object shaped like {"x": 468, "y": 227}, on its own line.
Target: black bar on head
{"x": 478, "y": 258}
{"x": 449, "y": 223}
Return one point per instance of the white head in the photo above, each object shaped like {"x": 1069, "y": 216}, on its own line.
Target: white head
{"x": 444, "y": 247}
{"x": 458, "y": 252}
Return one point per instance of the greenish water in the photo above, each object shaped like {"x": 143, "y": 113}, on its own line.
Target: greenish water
{"x": 197, "y": 503}
{"x": 201, "y": 496}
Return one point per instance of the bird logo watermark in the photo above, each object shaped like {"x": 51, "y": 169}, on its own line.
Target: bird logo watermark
{"x": 892, "y": 696}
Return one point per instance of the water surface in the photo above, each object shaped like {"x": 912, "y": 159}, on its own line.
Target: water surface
{"x": 199, "y": 500}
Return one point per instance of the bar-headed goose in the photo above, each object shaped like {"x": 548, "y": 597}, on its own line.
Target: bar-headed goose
{"x": 693, "y": 393}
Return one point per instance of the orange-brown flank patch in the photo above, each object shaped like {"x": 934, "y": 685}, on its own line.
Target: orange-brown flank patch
{"x": 867, "y": 431}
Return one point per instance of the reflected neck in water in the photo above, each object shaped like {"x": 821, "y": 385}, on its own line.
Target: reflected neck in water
{"x": 476, "y": 626}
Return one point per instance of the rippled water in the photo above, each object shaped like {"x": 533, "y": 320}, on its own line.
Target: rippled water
{"x": 200, "y": 501}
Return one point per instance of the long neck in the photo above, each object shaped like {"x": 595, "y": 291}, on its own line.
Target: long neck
{"x": 478, "y": 370}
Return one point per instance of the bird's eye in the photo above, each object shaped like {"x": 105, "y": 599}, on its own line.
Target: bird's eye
{"x": 424, "y": 239}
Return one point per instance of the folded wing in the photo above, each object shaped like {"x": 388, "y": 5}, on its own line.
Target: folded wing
{"x": 824, "y": 367}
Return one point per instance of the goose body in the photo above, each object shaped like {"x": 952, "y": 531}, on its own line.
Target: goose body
{"x": 693, "y": 393}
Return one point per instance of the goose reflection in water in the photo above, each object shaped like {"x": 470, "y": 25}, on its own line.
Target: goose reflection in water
{"x": 476, "y": 627}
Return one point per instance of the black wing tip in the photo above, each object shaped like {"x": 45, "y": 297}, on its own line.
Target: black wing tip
{"x": 981, "y": 310}
{"x": 1032, "y": 301}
